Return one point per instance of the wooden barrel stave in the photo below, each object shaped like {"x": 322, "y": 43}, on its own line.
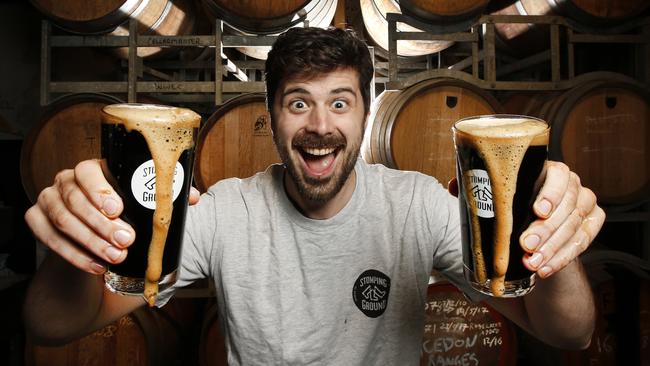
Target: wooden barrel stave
{"x": 262, "y": 10}
{"x": 525, "y": 39}
{"x": 443, "y": 11}
{"x": 96, "y": 16}
{"x": 411, "y": 129}
{"x": 162, "y": 18}
{"x": 318, "y": 13}
{"x": 236, "y": 141}
{"x": 527, "y": 103}
{"x": 156, "y": 17}
{"x": 374, "y": 19}
{"x": 460, "y": 332}
{"x": 600, "y": 129}
{"x": 263, "y": 17}
{"x": 600, "y": 12}
{"x": 68, "y": 132}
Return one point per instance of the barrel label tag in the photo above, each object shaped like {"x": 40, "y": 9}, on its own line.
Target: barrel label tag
{"x": 370, "y": 292}
{"x": 143, "y": 183}
{"x": 480, "y": 188}
{"x": 262, "y": 126}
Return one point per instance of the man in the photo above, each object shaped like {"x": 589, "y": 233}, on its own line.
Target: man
{"x": 292, "y": 249}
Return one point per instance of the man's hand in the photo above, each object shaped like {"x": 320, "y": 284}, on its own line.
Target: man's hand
{"x": 569, "y": 220}
{"x": 78, "y": 218}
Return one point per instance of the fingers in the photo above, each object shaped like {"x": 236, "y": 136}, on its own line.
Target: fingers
{"x": 195, "y": 195}
{"x": 71, "y": 205}
{"x": 567, "y": 209}
{"x": 42, "y": 228}
{"x": 77, "y": 217}
{"x": 559, "y": 239}
{"x": 552, "y": 192}
{"x": 559, "y": 256}
{"x": 73, "y": 228}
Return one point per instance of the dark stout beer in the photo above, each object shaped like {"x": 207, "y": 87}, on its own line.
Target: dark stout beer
{"x": 148, "y": 152}
{"x": 499, "y": 162}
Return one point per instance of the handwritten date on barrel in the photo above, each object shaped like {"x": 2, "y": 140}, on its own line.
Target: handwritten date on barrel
{"x": 459, "y": 332}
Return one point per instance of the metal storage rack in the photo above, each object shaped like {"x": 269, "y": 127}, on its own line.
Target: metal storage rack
{"x": 221, "y": 66}
{"x": 471, "y": 33}
{"x": 483, "y": 50}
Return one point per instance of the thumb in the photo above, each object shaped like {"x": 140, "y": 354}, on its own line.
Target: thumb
{"x": 452, "y": 187}
{"x": 195, "y": 196}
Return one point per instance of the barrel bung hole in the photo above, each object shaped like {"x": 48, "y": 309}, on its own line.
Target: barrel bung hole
{"x": 452, "y": 101}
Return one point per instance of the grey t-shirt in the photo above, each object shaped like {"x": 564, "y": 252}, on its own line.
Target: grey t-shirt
{"x": 349, "y": 290}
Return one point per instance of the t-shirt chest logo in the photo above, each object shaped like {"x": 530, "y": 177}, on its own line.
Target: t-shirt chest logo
{"x": 370, "y": 292}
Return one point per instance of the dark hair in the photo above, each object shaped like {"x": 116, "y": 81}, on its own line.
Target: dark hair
{"x": 305, "y": 52}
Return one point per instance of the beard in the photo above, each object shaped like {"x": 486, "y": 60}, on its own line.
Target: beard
{"x": 318, "y": 190}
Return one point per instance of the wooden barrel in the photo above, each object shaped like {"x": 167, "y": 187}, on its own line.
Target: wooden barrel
{"x": 524, "y": 39}
{"x": 603, "y": 12}
{"x": 527, "y": 103}
{"x": 601, "y": 129}
{"x": 236, "y": 141}
{"x": 374, "y": 19}
{"x": 146, "y": 337}
{"x": 212, "y": 347}
{"x": 68, "y": 132}
{"x": 161, "y": 18}
{"x": 410, "y": 129}
{"x": 96, "y": 16}
{"x": 269, "y": 17}
{"x": 443, "y": 11}
{"x": 460, "y": 332}
{"x": 620, "y": 282}
{"x": 156, "y": 17}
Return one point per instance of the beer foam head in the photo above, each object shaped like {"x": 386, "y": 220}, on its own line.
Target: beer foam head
{"x": 134, "y": 113}
{"x": 502, "y": 127}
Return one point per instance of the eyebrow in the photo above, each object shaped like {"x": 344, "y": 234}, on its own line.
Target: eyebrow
{"x": 301, "y": 90}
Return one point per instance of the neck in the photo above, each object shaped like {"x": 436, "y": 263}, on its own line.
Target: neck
{"x": 320, "y": 210}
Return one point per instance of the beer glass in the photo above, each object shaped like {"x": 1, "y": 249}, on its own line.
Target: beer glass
{"x": 500, "y": 165}
{"x": 147, "y": 156}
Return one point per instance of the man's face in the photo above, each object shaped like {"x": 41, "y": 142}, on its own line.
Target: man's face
{"x": 319, "y": 124}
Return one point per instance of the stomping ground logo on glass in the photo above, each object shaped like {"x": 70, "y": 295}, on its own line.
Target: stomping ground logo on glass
{"x": 481, "y": 189}
{"x": 370, "y": 292}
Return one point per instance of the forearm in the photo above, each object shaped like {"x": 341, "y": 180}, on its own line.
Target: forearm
{"x": 62, "y": 302}
{"x": 561, "y": 309}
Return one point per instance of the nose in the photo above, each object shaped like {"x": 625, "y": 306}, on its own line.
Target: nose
{"x": 319, "y": 121}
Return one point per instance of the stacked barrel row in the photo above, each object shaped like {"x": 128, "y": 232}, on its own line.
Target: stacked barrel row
{"x": 601, "y": 129}
{"x": 186, "y": 17}
{"x": 516, "y": 39}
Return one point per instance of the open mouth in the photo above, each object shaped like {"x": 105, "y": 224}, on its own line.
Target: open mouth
{"x": 319, "y": 162}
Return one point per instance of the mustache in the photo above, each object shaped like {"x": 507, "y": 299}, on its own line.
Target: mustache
{"x": 311, "y": 140}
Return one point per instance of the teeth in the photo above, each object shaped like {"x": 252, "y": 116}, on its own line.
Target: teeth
{"x": 318, "y": 152}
